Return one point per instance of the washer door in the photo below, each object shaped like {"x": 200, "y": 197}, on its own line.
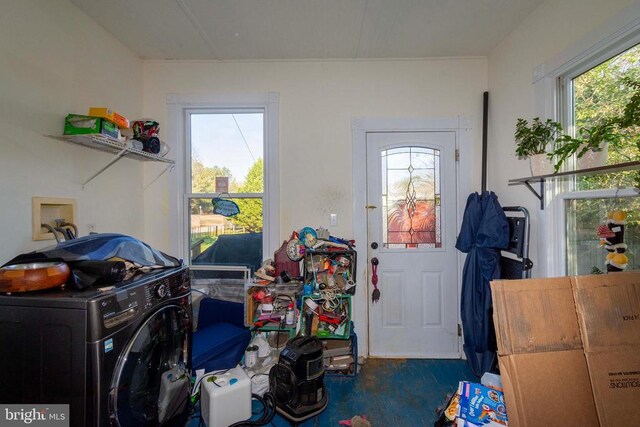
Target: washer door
{"x": 150, "y": 384}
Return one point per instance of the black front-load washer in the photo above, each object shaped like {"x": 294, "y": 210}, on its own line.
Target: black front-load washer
{"x": 118, "y": 355}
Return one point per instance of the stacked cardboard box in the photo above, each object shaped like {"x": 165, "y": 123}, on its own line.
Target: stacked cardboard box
{"x": 608, "y": 308}
{"x": 569, "y": 349}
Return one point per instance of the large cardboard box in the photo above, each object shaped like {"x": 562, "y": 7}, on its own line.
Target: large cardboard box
{"x": 542, "y": 363}
{"x": 608, "y": 308}
{"x": 569, "y": 349}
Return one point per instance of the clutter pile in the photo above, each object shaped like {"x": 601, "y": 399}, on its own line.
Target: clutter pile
{"x": 300, "y": 321}
{"x": 298, "y": 306}
{"x": 138, "y": 135}
{"x": 327, "y": 280}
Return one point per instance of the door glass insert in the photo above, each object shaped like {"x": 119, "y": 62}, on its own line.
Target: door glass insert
{"x": 411, "y": 198}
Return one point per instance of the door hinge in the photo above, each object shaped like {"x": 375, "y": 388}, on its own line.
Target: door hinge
{"x": 459, "y": 330}
{"x": 457, "y": 154}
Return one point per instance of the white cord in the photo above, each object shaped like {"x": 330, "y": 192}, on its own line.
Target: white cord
{"x": 331, "y": 302}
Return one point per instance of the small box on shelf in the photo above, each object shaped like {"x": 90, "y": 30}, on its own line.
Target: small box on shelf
{"x": 109, "y": 115}
{"x": 77, "y": 124}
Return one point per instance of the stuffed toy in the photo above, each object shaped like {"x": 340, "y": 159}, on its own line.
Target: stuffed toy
{"x": 611, "y": 235}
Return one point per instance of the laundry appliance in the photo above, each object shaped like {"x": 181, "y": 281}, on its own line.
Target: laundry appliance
{"x": 118, "y": 355}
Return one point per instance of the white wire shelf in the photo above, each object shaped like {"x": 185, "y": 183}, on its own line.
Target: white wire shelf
{"x": 113, "y": 146}
{"x": 103, "y": 143}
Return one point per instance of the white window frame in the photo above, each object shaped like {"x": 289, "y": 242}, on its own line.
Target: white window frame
{"x": 552, "y": 92}
{"x": 180, "y": 107}
{"x": 561, "y": 208}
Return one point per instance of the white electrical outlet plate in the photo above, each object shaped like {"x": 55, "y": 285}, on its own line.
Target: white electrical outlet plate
{"x": 333, "y": 219}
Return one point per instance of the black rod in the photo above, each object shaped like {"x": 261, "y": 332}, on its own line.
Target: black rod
{"x": 485, "y": 120}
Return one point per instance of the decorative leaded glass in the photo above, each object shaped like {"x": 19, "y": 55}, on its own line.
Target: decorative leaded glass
{"x": 411, "y": 198}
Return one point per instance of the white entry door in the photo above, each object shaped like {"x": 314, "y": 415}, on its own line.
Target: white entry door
{"x": 411, "y": 200}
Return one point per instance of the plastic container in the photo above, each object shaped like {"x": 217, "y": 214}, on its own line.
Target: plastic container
{"x": 263, "y": 345}
{"x": 491, "y": 380}
{"x": 251, "y": 356}
{"x": 174, "y": 391}
{"x": 290, "y": 315}
{"x": 226, "y": 398}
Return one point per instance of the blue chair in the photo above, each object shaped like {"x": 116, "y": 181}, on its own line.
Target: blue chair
{"x": 221, "y": 338}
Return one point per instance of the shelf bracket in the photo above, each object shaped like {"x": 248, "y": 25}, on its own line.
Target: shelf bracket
{"x": 117, "y": 157}
{"x": 539, "y": 195}
{"x": 168, "y": 168}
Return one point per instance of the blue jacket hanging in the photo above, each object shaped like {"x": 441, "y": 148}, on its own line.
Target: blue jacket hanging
{"x": 484, "y": 231}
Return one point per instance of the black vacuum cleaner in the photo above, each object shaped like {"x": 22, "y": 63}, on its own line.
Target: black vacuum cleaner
{"x": 297, "y": 380}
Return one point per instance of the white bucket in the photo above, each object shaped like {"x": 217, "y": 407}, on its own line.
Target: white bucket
{"x": 226, "y": 398}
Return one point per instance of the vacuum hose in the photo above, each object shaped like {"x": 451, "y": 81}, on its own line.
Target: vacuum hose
{"x": 268, "y": 402}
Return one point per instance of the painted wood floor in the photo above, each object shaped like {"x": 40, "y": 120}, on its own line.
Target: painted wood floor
{"x": 390, "y": 392}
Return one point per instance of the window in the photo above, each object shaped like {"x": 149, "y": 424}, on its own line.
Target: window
{"x": 230, "y": 152}
{"x": 598, "y": 93}
{"x": 227, "y": 162}
{"x": 584, "y": 212}
{"x": 592, "y": 95}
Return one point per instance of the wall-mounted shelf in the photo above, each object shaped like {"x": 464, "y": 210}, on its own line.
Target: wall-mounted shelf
{"x": 119, "y": 149}
{"x": 540, "y": 179}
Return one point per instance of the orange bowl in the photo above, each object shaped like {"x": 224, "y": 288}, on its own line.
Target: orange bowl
{"x": 33, "y": 276}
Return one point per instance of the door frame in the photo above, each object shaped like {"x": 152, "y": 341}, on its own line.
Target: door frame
{"x": 360, "y": 126}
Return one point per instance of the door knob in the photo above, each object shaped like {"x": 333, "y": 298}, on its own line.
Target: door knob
{"x": 374, "y": 245}
{"x": 374, "y": 261}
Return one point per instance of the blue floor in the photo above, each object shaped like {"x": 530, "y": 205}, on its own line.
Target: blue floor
{"x": 400, "y": 392}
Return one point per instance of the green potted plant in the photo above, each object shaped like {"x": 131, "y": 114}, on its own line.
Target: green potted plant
{"x": 533, "y": 140}
{"x": 591, "y": 146}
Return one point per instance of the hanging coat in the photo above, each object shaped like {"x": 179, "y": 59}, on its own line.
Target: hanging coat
{"x": 484, "y": 231}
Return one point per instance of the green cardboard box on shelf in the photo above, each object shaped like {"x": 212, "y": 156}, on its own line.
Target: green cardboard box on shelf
{"x": 77, "y": 124}
{"x": 569, "y": 349}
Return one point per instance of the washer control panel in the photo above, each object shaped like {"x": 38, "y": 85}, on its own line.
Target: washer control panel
{"x": 121, "y": 306}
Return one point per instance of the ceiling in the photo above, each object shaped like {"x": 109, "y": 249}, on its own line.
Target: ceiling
{"x": 308, "y": 29}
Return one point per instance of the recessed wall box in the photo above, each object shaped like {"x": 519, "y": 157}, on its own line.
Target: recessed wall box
{"x": 46, "y": 210}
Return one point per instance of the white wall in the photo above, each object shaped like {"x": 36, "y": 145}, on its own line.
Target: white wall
{"x": 550, "y": 30}
{"x": 317, "y": 101}
{"x": 54, "y": 60}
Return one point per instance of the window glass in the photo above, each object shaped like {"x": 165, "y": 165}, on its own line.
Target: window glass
{"x": 226, "y": 157}
{"x": 599, "y": 93}
{"x": 227, "y": 145}
{"x": 411, "y": 198}
{"x": 586, "y": 252}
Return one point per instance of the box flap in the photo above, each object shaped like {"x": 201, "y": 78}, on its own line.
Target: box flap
{"x": 535, "y": 315}
{"x": 608, "y": 308}
{"x": 615, "y": 377}
{"x": 548, "y": 389}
